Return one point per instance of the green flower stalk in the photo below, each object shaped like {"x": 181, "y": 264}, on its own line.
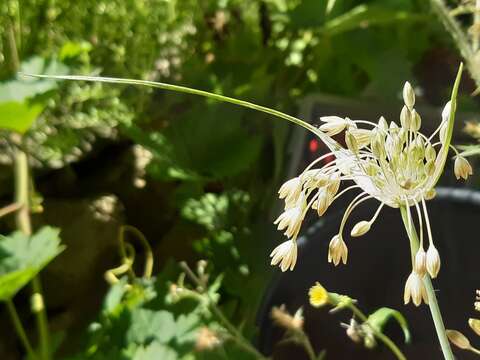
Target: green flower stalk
{"x": 393, "y": 163}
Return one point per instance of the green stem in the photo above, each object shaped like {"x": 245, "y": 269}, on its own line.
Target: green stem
{"x": 187, "y": 90}
{"x": 432, "y": 300}
{"x": 234, "y": 332}
{"x": 385, "y": 339}
{"x": 307, "y": 345}
{"x": 9, "y": 209}
{"x": 17, "y": 324}
{"x": 22, "y": 183}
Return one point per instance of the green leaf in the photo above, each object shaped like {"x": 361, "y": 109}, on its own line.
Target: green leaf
{"x": 148, "y": 325}
{"x": 114, "y": 296}
{"x": 17, "y": 110}
{"x": 26, "y": 88}
{"x": 189, "y": 150}
{"x": 22, "y": 257}
{"x": 155, "y": 351}
{"x": 380, "y": 317}
{"x": 18, "y": 116}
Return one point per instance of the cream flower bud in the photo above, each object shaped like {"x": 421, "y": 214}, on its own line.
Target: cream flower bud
{"x": 334, "y": 184}
{"x": 408, "y": 95}
{"x": 351, "y": 142}
{"x": 416, "y": 120}
{"x": 446, "y": 111}
{"x": 323, "y": 201}
{"x": 458, "y": 339}
{"x": 333, "y": 124}
{"x": 406, "y": 118}
{"x": 361, "y": 228}
{"x": 433, "y": 261}
{"x": 420, "y": 262}
{"x": 474, "y": 325}
{"x": 462, "y": 168}
{"x": 362, "y": 136}
{"x": 285, "y": 254}
{"x": 337, "y": 250}
{"x": 382, "y": 124}
{"x": 430, "y": 153}
{"x": 415, "y": 290}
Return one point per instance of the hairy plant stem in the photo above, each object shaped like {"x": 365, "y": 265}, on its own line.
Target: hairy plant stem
{"x": 432, "y": 299}
{"x": 234, "y": 332}
{"x": 22, "y": 184}
{"x": 17, "y": 324}
{"x": 383, "y": 338}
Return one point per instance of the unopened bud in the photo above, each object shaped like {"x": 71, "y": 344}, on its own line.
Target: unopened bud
{"x": 433, "y": 261}
{"x": 458, "y": 339}
{"x": 361, "y": 228}
{"x": 446, "y": 111}
{"x": 420, "y": 263}
{"x": 408, "y": 95}
{"x": 351, "y": 142}
{"x": 416, "y": 121}
{"x": 406, "y": 118}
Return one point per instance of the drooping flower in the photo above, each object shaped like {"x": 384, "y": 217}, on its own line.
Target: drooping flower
{"x": 394, "y": 164}
{"x": 415, "y": 290}
{"x": 285, "y": 254}
{"x": 337, "y": 250}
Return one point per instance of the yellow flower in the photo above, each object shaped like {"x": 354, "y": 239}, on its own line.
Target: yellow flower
{"x": 318, "y": 295}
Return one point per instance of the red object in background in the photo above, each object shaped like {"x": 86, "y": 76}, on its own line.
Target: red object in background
{"x": 314, "y": 146}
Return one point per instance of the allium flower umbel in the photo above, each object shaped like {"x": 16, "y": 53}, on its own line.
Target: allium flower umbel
{"x": 393, "y": 163}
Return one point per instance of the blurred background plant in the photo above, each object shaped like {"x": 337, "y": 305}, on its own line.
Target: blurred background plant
{"x": 460, "y": 340}
{"x": 198, "y": 178}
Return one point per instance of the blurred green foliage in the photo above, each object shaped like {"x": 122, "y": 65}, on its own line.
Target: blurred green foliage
{"x": 224, "y": 162}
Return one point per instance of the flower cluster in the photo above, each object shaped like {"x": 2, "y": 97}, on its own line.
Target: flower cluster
{"x": 393, "y": 163}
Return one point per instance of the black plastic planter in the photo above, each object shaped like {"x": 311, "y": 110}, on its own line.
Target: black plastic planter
{"x": 378, "y": 265}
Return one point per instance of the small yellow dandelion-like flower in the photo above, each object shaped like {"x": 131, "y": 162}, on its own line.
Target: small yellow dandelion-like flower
{"x": 318, "y": 295}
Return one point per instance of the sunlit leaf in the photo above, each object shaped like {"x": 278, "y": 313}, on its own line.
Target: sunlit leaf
{"x": 22, "y": 257}
{"x": 18, "y": 116}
